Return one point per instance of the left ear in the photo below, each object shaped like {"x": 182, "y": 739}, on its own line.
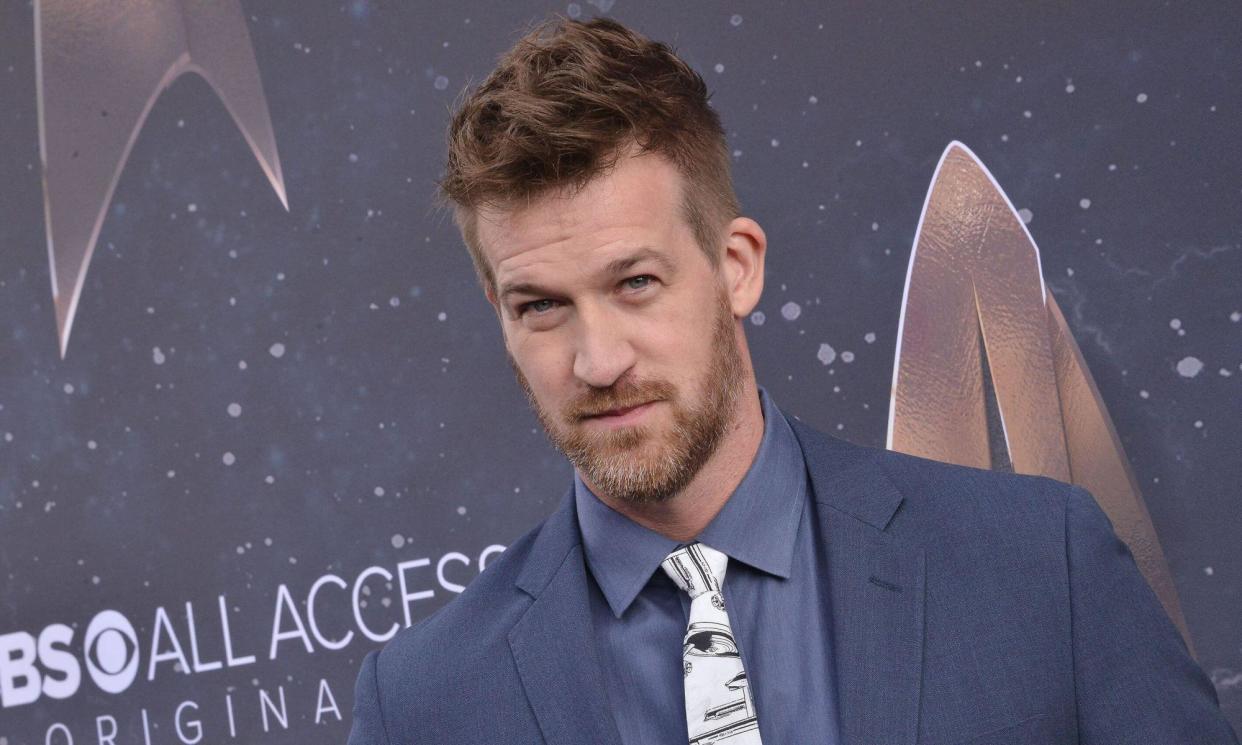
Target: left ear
{"x": 745, "y": 247}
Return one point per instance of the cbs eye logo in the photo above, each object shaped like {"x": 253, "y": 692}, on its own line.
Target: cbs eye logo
{"x": 111, "y": 651}
{"x": 30, "y": 667}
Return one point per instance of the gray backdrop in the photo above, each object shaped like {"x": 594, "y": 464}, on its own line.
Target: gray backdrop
{"x": 253, "y": 400}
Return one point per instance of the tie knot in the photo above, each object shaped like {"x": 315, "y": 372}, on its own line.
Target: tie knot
{"x": 696, "y": 568}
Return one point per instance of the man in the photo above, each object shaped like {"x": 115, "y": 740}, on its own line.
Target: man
{"x": 720, "y": 573}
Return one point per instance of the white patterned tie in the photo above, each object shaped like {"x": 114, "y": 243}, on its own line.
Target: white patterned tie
{"x": 719, "y": 705}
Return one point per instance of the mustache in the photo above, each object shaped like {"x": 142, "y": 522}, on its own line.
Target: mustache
{"x": 621, "y": 395}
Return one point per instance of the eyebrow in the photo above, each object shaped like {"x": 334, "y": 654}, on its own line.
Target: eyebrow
{"x": 521, "y": 288}
{"x": 614, "y": 267}
{"x": 618, "y": 266}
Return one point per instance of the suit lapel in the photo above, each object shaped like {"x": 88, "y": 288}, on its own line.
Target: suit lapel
{"x": 553, "y": 645}
{"x": 876, "y": 586}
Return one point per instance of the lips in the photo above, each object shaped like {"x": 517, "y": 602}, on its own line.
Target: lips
{"x": 616, "y": 413}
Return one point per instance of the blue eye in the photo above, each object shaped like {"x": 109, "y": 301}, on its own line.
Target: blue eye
{"x": 639, "y": 282}
{"x": 538, "y": 306}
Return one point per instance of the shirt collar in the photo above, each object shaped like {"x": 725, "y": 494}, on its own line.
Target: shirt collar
{"x": 757, "y": 525}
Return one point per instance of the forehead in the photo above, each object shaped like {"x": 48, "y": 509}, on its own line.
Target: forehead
{"x": 637, "y": 202}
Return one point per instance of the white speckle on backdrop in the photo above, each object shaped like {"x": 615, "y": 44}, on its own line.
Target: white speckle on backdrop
{"x": 790, "y": 311}
{"x": 234, "y": 410}
{"x": 157, "y": 356}
{"x": 229, "y": 459}
{"x": 758, "y": 318}
{"x": 277, "y": 350}
{"x": 826, "y": 354}
{"x": 398, "y": 541}
{"x": 1188, "y": 367}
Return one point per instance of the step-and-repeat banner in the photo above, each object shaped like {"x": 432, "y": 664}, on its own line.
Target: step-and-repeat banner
{"x": 255, "y": 416}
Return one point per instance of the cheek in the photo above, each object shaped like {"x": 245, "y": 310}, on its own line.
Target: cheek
{"x": 543, "y": 361}
{"x": 682, "y": 344}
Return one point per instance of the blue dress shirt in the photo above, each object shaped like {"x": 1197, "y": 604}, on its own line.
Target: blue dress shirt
{"x": 775, "y": 590}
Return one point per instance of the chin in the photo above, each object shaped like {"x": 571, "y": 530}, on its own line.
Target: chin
{"x": 648, "y": 473}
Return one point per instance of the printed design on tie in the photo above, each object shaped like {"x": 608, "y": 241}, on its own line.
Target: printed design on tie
{"x": 719, "y": 704}
{"x": 708, "y": 639}
{"x": 691, "y": 570}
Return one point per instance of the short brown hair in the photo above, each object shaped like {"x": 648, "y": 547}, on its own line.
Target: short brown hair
{"x": 559, "y": 109}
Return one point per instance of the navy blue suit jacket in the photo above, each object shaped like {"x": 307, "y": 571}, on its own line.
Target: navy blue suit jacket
{"x": 968, "y": 606}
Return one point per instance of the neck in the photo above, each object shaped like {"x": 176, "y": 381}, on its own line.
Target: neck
{"x": 685, "y": 514}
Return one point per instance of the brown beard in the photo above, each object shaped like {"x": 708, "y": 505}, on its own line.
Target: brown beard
{"x": 614, "y": 462}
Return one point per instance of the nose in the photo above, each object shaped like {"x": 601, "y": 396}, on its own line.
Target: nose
{"x": 602, "y": 351}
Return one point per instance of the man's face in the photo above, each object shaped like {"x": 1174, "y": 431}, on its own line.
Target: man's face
{"x": 619, "y": 328}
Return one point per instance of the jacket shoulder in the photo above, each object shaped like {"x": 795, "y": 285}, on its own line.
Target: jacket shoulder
{"x": 937, "y": 498}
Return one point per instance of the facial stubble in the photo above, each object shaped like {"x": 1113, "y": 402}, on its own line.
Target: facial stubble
{"x": 639, "y": 464}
